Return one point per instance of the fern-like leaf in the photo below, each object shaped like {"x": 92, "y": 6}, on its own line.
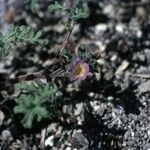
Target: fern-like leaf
{"x": 17, "y": 34}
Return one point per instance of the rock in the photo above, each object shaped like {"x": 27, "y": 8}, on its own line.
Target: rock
{"x": 59, "y": 131}
{"x": 148, "y": 132}
{"x": 1, "y": 117}
{"x": 120, "y": 28}
{"x": 50, "y": 141}
{"x": 6, "y": 134}
{"x": 52, "y": 128}
{"x": 109, "y": 10}
{"x": 78, "y": 109}
{"x": 97, "y": 76}
{"x": 67, "y": 109}
{"x": 144, "y": 87}
{"x": 141, "y": 13}
{"x": 91, "y": 94}
{"x": 80, "y": 120}
{"x": 34, "y": 147}
{"x": 79, "y": 140}
{"x": 122, "y": 67}
{"x": 110, "y": 98}
{"x": 114, "y": 57}
{"x": 17, "y": 144}
{"x": 70, "y": 88}
{"x": 100, "y": 28}
{"x": 68, "y": 148}
{"x": 92, "y": 47}
{"x": 101, "y": 62}
{"x": 43, "y": 133}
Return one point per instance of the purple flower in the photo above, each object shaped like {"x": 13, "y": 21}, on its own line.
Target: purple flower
{"x": 78, "y": 70}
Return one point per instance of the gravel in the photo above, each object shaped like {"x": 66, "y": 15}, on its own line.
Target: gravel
{"x": 111, "y": 111}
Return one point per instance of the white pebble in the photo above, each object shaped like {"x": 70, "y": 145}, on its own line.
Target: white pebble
{"x": 49, "y": 141}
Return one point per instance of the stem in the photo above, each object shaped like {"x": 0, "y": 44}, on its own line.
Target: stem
{"x": 41, "y": 74}
{"x": 27, "y": 77}
{"x": 61, "y": 49}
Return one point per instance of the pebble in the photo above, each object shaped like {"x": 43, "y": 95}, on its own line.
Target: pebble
{"x": 120, "y": 28}
{"x": 109, "y": 10}
{"x": 91, "y": 94}
{"x": 78, "y": 109}
{"x": 1, "y": 117}
{"x": 100, "y": 28}
{"x": 52, "y": 127}
{"x": 110, "y": 98}
{"x": 101, "y": 62}
{"x": 122, "y": 67}
{"x": 6, "y": 134}
{"x": 97, "y": 76}
{"x": 50, "y": 141}
{"x": 59, "y": 131}
{"x": 67, "y": 109}
{"x": 113, "y": 58}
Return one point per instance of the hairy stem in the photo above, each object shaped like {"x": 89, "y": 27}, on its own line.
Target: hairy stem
{"x": 41, "y": 74}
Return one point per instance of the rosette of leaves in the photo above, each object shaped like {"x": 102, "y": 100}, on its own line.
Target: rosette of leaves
{"x": 23, "y": 34}
{"x": 36, "y": 101}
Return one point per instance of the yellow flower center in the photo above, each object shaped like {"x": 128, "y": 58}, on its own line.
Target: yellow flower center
{"x": 79, "y": 70}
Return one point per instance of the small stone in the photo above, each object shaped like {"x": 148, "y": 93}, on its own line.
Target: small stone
{"x": 16, "y": 144}
{"x": 101, "y": 28}
{"x": 52, "y": 127}
{"x": 67, "y": 109}
{"x": 113, "y": 58}
{"x": 34, "y": 147}
{"x": 120, "y": 28}
{"x": 80, "y": 120}
{"x": 97, "y": 76}
{"x": 144, "y": 87}
{"x": 1, "y": 117}
{"x": 109, "y": 10}
{"x": 148, "y": 132}
{"x": 92, "y": 47}
{"x": 96, "y": 108}
{"x": 50, "y": 141}
{"x": 6, "y": 134}
{"x": 78, "y": 110}
{"x": 68, "y": 148}
{"x": 139, "y": 34}
{"x": 110, "y": 98}
{"x": 69, "y": 88}
{"x": 132, "y": 134}
{"x": 101, "y": 45}
{"x": 80, "y": 139}
{"x": 114, "y": 115}
{"x": 122, "y": 67}
{"x": 101, "y": 62}
{"x": 59, "y": 131}
{"x": 140, "y": 13}
{"x": 91, "y": 94}
{"x": 124, "y": 143}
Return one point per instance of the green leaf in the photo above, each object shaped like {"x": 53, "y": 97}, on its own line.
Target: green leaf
{"x": 38, "y": 34}
{"x": 32, "y": 5}
{"x": 57, "y": 7}
{"x": 17, "y": 34}
{"x": 31, "y": 103}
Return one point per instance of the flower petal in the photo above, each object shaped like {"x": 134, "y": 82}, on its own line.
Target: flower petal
{"x": 72, "y": 68}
